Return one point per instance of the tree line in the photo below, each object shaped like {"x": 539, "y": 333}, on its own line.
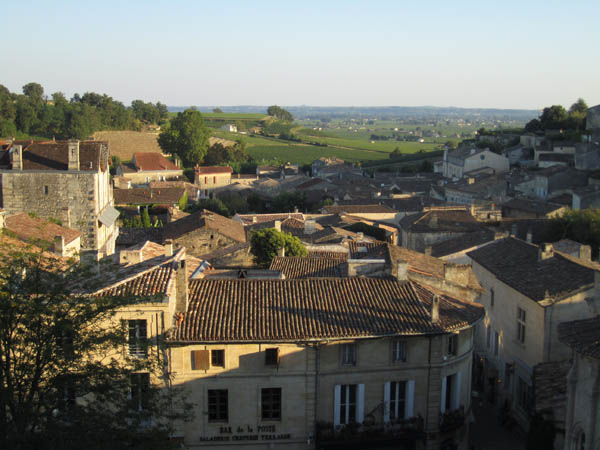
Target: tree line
{"x": 33, "y": 113}
{"x": 556, "y": 117}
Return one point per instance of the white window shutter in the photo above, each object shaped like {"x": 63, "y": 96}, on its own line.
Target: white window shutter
{"x": 457, "y": 390}
{"x": 360, "y": 404}
{"x": 409, "y": 409}
{"x": 386, "y": 402}
{"x": 337, "y": 400}
{"x": 443, "y": 400}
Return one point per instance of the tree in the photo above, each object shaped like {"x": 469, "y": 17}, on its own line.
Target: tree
{"x": 580, "y": 106}
{"x": 34, "y": 91}
{"x": 267, "y": 242}
{"x": 217, "y": 110}
{"x": 211, "y": 204}
{"x": 186, "y": 136}
{"x": 64, "y": 383}
{"x": 280, "y": 113}
{"x": 553, "y": 117}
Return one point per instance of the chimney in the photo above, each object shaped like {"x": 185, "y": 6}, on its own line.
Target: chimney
{"x": 435, "y": 309}
{"x": 277, "y": 225}
{"x": 433, "y": 220}
{"x": 529, "y": 235}
{"x": 2, "y": 219}
{"x": 281, "y": 252}
{"x": 545, "y": 251}
{"x": 360, "y": 236}
{"x": 402, "y": 272}
{"x": 168, "y": 248}
{"x": 295, "y": 209}
{"x": 585, "y": 252}
{"x": 73, "y": 154}
{"x": 472, "y": 151}
{"x": 428, "y": 250}
{"x": 254, "y": 220}
{"x": 309, "y": 227}
{"x": 471, "y": 180}
{"x": 59, "y": 245}
{"x": 181, "y": 287}
{"x": 17, "y": 157}
{"x": 513, "y": 230}
{"x": 130, "y": 256}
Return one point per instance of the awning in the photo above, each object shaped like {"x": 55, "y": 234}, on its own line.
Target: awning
{"x": 108, "y": 216}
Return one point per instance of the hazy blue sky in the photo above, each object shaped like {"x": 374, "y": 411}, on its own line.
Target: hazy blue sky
{"x": 503, "y": 54}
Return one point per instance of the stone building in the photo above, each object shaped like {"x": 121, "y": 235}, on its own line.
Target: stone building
{"x": 147, "y": 167}
{"x": 67, "y": 181}
{"x": 460, "y": 161}
{"x": 210, "y": 178}
{"x": 528, "y": 291}
{"x": 582, "y": 424}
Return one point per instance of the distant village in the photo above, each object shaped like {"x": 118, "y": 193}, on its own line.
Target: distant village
{"x": 419, "y": 298}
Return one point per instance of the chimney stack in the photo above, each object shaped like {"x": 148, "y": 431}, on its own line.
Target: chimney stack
{"x": 168, "y": 248}
{"x": 17, "y": 157}
{"x": 435, "y": 309}
{"x": 278, "y": 225}
{"x": 73, "y": 154}
{"x": 281, "y": 252}
{"x": 545, "y": 251}
{"x": 529, "y": 236}
{"x": 309, "y": 226}
{"x": 402, "y": 271}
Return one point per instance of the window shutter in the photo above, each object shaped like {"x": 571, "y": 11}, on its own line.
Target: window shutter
{"x": 337, "y": 399}
{"x": 386, "y": 402}
{"x": 457, "y": 390}
{"x": 443, "y": 400}
{"x": 360, "y": 404}
{"x": 409, "y": 406}
{"x": 200, "y": 360}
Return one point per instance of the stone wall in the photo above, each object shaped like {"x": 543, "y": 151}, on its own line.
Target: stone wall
{"x": 201, "y": 241}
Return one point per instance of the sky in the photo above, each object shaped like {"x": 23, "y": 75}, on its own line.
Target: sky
{"x": 486, "y": 54}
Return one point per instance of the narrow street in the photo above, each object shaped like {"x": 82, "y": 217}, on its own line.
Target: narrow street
{"x": 488, "y": 434}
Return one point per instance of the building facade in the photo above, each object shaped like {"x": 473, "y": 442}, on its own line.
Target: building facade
{"x": 211, "y": 178}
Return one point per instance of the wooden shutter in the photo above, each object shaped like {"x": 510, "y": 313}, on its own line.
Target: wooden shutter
{"x": 200, "y": 359}
{"x": 386, "y": 402}
{"x": 456, "y": 391}
{"x": 360, "y": 403}
{"x": 337, "y": 399}
{"x": 443, "y": 400}
{"x": 409, "y": 405}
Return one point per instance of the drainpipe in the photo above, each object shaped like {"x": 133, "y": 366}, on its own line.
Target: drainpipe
{"x": 428, "y": 388}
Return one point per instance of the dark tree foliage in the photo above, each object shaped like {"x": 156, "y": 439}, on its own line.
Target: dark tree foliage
{"x": 221, "y": 155}
{"x": 581, "y": 226}
{"x": 34, "y": 114}
{"x": 280, "y": 113}
{"x": 556, "y": 117}
{"x": 267, "y": 242}
{"x": 211, "y": 204}
{"x": 64, "y": 380}
{"x": 186, "y": 136}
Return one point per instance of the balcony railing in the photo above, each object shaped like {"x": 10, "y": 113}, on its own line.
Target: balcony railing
{"x": 396, "y": 429}
{"x": 452, "y": 420}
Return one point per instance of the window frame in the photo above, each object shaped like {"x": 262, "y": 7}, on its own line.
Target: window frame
{"x": 399, "y": 351}
{"x": 492, "y": 297}
{"x": 139, "y": 389}
{"x": 398, "y": 399}
{"x": 138, "y": 348}
{"x": 452, "y": 345}
{"x": 348, "y": 403}
{"x": 272, "y": 356}
{"x": 521, "y": 324}
{"x": 271, "y": 401}
{"x": 217, "y": 406}
{"x": 220, "y": 360}
{"x": 348, "y": 357}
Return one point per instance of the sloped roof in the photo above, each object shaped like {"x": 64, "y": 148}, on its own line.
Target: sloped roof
{"x": 33, "y": 228}
{"x": 54, "y": 155}
{"x": 358, "y": 209}
{"x": 209, "y": 170}
{"x": 440, "y": 220}
{"x": 583, "y": 336}
{"x": 460, "y": 243}
{"x": 143, "y": 196}
{"x": 296, "y": 310}
{"x": 517, "y": 264}
{"x": 152, "y": 162}
{"x": 205, "y": 219}
{"x": 550, "y": 387}
{"x": 307, "y": 267}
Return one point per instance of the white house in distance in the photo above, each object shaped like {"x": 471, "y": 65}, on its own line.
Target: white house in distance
{"x": 460, "y": 161}
{"x": 229, "y": 127}
{"x": 147, "y": 166}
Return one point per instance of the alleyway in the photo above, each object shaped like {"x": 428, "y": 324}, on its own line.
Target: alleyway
{"x": 488, "y": 434}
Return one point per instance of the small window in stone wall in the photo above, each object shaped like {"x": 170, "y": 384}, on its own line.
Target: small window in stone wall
{"x": 45, "y": 190}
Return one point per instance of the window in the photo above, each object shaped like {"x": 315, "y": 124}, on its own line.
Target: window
{"x": 398, "y": 351}
{"x": 492, "y": 295}
{"x": 348, "y": 403}
{"x": 521, "y": 317}
{"x": 215, "y": 180}
{"x": 272, "y": 356}
{"x": 45, "y": 190}
{"x": 524, "y": 395}
{"x": 488, "y": 335}
{"x": 205, "y": 180}
{"x": 448, "y": 393}
{"x": 217, "y": 358}
{"x": 140, "y": 386}
{"x": 397, "y": 399}
{"x": 64, "y": 339}
{"x": 138, "y": 338}
{"x": 451, "y": 387}
{"x": 496, "y": 343}
{"x": 200, "y": 359}
{"x": 218, "y": 410}
{"x": 270, "y": 399}
{"x": 349, "y": 354}
{"x": 452, "y": 345}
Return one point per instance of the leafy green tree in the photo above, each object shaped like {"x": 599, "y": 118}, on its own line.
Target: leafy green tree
{"x": 280, "y": 113}
{"x": 183, "y": 201}
{"x": 581, "y": 226}
{"x": 217, "y": 110}
{"x": 579, "y": 107}
{"x": 146, "y": 222}
{"x": 34, "y": 91}
{"x": 553, "y": 117}
{"x": 56, "y": 392}
{"x": 186, "y": 136}
{"x": 234, "y": 202}
{"x": 211, "y": 204}
{"x": 8, "y": 113}
{"x": 267, "y": 242}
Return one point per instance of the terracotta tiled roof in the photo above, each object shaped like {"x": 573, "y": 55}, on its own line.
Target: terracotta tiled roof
{"x": 28, "y": 228}
{"x": 327, "y": 254}
{"x": 369, "y": 250}
{"x": 152, "y": 282}
{"x": 305, "y": 267}
{"x": 53, "y": 155}
{"x": 205, "y": 219}
{"x": 460, "y": 243}
{"x": 208, "y": 170}
{"x": 49, "y": 261}
{"x": 296, "y": 310}
{"x": 249, "y": 219}
{"x": 358, "y": 209}
{"x": 517, "y": 264}
{"x": 538, "y": 207}
{"x": 583, "y": 336}
{"x": 143, "y": 196}
{"x": 310, "y": 183}
{"x": 441, "y": 220}
{"x": 153, "y": 161}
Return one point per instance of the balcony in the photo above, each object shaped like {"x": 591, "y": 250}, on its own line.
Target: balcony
{"x": 452, "y": 420}
{"x": 371, "y": 433}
